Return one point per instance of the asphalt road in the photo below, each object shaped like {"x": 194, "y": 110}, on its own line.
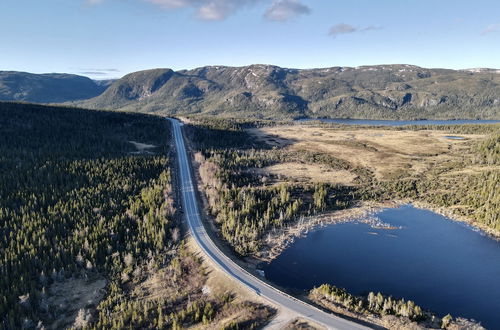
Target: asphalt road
{"x": 192, "y": 215}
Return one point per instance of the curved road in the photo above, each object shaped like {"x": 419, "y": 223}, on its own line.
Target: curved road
{"x": 193, "y": 218}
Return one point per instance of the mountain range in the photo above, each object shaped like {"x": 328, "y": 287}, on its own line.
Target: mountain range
{"x": 48, "y": 88}
{"x": 267, "y": 91}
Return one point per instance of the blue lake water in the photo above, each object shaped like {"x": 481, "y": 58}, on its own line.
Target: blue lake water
{"x": 452, "y": 137}
{"x": 442, "y": 265}
{"x": 403, "y": 122}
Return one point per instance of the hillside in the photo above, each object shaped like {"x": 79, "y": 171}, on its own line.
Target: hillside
{"x": 265, "y": 91}
{"x": 90, "y": 233}
{"x": 47, "y": 88}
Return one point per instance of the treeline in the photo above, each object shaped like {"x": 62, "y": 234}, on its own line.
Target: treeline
{"x": 379, "y": 305}
{"x": 220, "y": 134}
{"x": 233, "y": 124}
{"x": 73, "y": 200}
{"x": 245, "y": 214}
{"x": 474, "y": 196}
{"x": 453, "y": 129}
{"x": 488, "y": 151}
{"x": 446, "y": 128}
{"x": 246, "y": 205}
{"x": 372, "y": 303}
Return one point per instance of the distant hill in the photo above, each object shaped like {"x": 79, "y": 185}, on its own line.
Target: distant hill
{"x": 48, "y": 88}
{"x": 266, "y": 91}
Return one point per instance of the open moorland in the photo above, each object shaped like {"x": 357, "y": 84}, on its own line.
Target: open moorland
{"x": 432, "y": 159}
{"x": 265, "y": 183}
{"x": 388, "y": 153}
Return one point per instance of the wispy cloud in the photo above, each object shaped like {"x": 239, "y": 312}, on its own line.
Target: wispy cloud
{"x": 343, "y": 28}
{"x": 93, "y": 2}
{"x": 97, "y": 71}
{"x": 209, "y": 10}
{"x": 106, "y": 70}
{"x": 283, "y": 10}
{"x": 94, "y": 73}
{"x": 490, "y": 29}
{"x": 218, "y": 10}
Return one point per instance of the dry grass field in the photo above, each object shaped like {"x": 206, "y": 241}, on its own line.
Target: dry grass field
{"x": 309, "y": 173}
{"x": 389, "y": 153}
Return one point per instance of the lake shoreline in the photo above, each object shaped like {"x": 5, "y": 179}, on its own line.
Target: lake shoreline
{"x": 432, "y": 241}
{"x": 278, "y": 240}
{"x": 450, "y": 215}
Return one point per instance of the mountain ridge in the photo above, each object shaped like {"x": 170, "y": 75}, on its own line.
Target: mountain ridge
{"x": 269, "y": 91}
{"x": 47, "y": 87}
{"x": 392, "y": 91}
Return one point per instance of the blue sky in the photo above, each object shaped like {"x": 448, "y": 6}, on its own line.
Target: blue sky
{"x": 109, "y": 38}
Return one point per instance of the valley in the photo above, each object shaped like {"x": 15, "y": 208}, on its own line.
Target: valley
{"x": 249, "y": 165}
{"x": 268, "y": 184}
{"x": 264, "y": 185}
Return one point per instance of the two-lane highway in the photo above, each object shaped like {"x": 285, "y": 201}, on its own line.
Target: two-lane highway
{"x": 201, "y": 237}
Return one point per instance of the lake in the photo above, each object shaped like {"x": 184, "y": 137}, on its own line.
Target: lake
{"x": 452, "y": 137}
{"x": 442, "y": 265}
{"x": 371, "y": 122}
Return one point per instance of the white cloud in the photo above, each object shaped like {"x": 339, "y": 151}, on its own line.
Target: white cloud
{"x": 490, "y": 29}
{"x": 209, "y": 10}
{"x": 213, "y": 12}
{"x": 97, "y": 71}
{"x": 174, "y": 3}
{"x": 283, "y": 10}
{"x": 218, "y": 10}
{"x": 343, "y": 28}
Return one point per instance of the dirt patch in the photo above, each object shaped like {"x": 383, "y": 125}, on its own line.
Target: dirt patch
{"x": 70, "y": 297}
{"x": 300, "y": 324}
{"x": 142, "y": 148}
{"x": 309, "y": 173}
{"x": 218, "y": 282}
{"x": 171, "y": 282}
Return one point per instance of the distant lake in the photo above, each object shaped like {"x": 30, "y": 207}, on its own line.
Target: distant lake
{"x": 442, "y": 265}
{"x": 371, "y": 122}
{"x": 451, "y": 137}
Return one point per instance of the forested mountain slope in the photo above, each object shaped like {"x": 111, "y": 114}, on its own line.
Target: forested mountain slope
{"x": 47, "y": 88}
{"x": 266, "y": 91}
{"x": 90, "y": 235}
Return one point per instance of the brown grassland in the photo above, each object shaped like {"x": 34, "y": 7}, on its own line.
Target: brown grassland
{"x": 389, "y": 153}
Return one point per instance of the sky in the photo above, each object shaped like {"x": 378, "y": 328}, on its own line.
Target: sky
{"x": 105, "y": 39}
